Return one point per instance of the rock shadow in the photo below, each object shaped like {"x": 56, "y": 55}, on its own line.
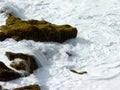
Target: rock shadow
{"x": 79, "y": 40}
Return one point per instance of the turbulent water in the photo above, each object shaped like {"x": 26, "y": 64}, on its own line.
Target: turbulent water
{"x": 95, "y": 50}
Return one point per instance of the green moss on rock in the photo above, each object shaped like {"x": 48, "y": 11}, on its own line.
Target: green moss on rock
{"x": 36, "y": 30}
{"x": 7, "y": 74}
{"x": 27, "y": 62}
{"x": 30, "y": 87}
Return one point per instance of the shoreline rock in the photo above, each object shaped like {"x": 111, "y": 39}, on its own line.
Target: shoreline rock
{"x": 36, "y": 30}
{"x": 22, "y": 61}
{"x": 30, "y": 87}
{"x": 7, "y": 74}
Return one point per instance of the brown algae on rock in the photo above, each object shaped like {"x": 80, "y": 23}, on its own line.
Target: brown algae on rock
{"x": 7, "y": 74}
{"x": 22, "y": 61}
{"x": 36, "y": 30}
{"x": 30, "y": 87}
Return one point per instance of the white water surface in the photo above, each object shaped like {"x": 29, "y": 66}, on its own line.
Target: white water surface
{"x": 95, "y": 50}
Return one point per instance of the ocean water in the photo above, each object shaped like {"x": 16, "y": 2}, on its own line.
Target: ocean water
{"x": 96, "y": 49}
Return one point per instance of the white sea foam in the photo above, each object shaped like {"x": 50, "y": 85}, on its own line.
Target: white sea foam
{"x": 95, "y": 50}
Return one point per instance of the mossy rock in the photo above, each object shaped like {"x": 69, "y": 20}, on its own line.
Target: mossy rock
{"x": 7, "y": 74}
{"x": 36, "y": 30}
{"x": 30, "y": 87}
{"x": 22, "y": 61}
{"x": 12, "y": 20}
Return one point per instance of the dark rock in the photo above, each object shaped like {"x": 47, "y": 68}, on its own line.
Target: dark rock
{"x": 36, "y": 30}
{"x": 30, "y": 87}
{"x": 19, "y": 64}
{"x": 7, "y": 74}
{"x": 2, "y": 36}
{"x": 80, "y": 73}
{"x": 22, "y": 61}
{"x": 69, "y": 53}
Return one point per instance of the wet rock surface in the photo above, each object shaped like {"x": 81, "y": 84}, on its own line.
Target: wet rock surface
{"x": 30, "y": 87}
{"x": 7, "y": 74}
{"x": 36, "y": 30}
{"x": 22, "y": 61}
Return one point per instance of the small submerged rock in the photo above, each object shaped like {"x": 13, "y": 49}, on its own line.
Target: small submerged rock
{"x": 7, "y": 74}
{"x": 69, "y": 53}
{"x": 30, "y": 87}
{"x": 22, "y": 61}
{"x": 36, "y": 30}
{"x": 80, "y": 73}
